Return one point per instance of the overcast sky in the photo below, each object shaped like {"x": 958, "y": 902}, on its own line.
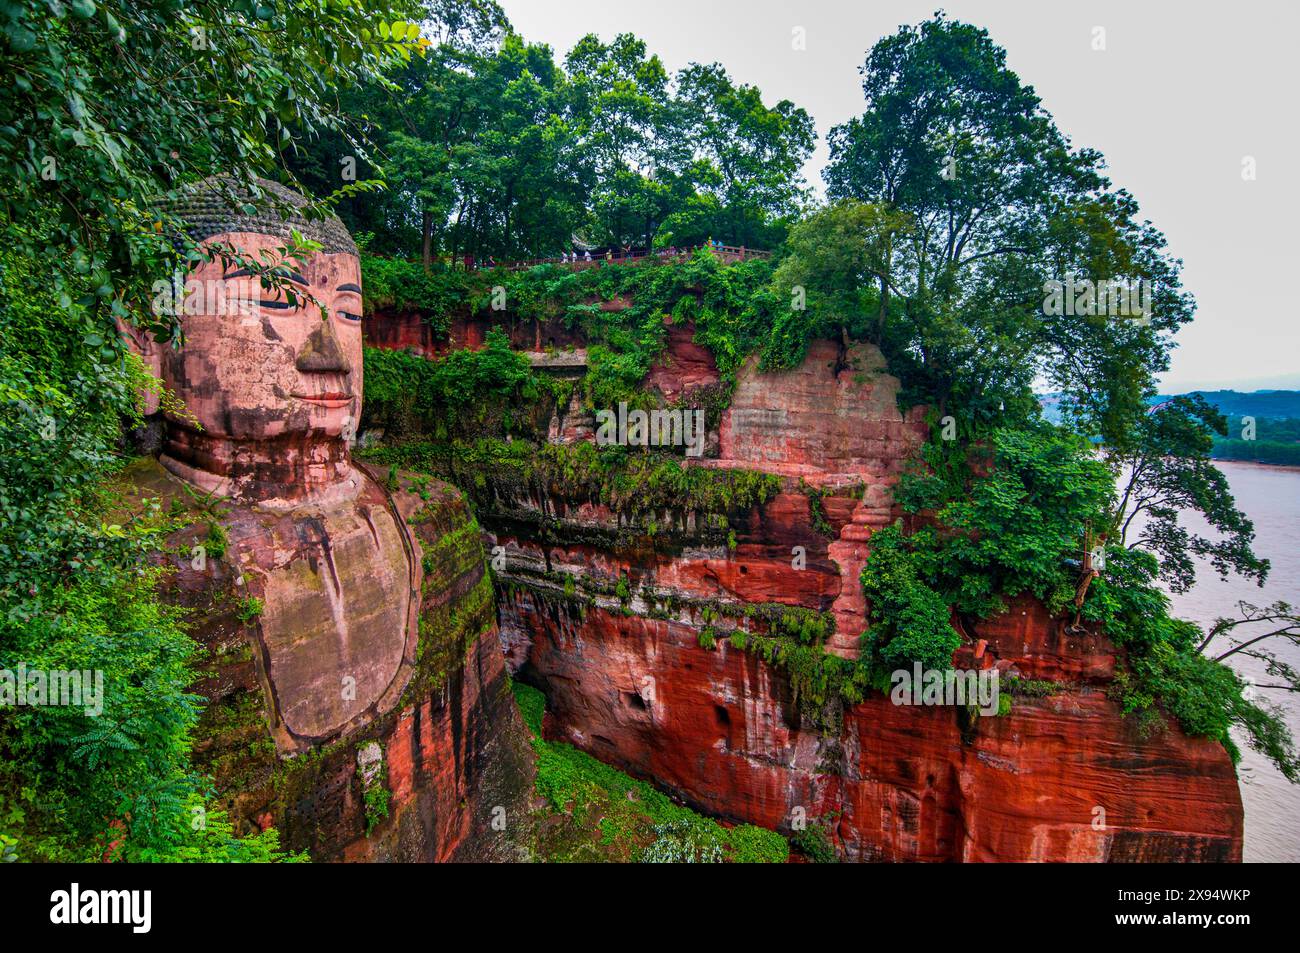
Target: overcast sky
{"x": 1182, "y": 92}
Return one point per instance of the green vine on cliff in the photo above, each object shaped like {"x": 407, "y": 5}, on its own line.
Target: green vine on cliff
{"x": 374, "y": 784}
{"x": 817, "y": 509}
{"x": 459, "y": 394}
{"x": 632, "y": 484}
{"x": 729, "y": 304}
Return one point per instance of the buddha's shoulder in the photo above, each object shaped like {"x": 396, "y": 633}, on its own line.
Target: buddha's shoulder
{"x": 420, "y": 499}
{"x": 145, "y": 484}
{"x": 146, "y": 490}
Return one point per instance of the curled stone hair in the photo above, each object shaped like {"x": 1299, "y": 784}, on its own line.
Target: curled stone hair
{"x": 212, "y": 207}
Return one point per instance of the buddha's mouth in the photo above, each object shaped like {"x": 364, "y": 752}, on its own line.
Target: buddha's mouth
{"x": 328, "y": 399}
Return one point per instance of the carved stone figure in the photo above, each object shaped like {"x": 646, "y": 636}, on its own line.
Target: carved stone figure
{"x": 305, "y": 573}
{"x": 272, "y": 389}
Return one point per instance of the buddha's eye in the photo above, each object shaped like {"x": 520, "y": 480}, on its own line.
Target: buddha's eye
{"x": 349, "y": 316}
{"x": 279, "y": 305}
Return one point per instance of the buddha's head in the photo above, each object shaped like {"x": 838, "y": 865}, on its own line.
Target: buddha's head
{"x": 274, "y": 385}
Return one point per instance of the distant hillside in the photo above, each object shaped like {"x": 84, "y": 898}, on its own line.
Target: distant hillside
{"x": 1260, "y": 403}
{"x": 1276, "y": 438}
{"x": 1277, "y": 424}
{"x": 1274, "y": 404}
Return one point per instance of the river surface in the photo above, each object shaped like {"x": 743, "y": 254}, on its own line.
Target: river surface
{"x": 1270, "y": 496}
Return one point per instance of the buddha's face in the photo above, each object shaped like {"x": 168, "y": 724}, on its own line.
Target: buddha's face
{"x": 256, "y": 367}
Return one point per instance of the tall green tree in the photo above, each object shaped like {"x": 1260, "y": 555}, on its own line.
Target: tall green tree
{"x": 622, "y": 109}
{"x": 751, "y": 154}
{"x": 1000, "y": 210}
{"x": 835, "y": 276}
{"x": 519, "y": 182}
{"x": 414, "y": 118}
{"x": 1001, "y": 204}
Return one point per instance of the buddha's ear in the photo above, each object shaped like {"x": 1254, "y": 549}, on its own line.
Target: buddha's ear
{"x": 139, "y": 343}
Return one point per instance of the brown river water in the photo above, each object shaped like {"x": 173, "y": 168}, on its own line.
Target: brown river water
{"x": 1270, "y": 496}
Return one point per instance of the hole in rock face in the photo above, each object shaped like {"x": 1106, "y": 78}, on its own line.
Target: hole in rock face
{"x": 744, "y": 570}
{"x": 723, "y": 716}
{"x": 633, "y": 700}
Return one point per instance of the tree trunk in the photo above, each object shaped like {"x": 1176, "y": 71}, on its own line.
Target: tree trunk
{"x": 426, "y": 248}
{"x": 884, "y": 306}
{"x": 842, "y": 360}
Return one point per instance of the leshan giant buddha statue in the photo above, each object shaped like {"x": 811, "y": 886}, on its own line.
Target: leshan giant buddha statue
{"x": 307, "y": 573}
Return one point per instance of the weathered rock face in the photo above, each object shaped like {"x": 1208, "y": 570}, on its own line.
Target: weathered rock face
{"x": 1060, "y": 778}
{"x": 1063, "y": 776}
{"x": 685, "y": 367}
{"x": 409, "y": 331}
{"x": 833, "y": 422}
{"x": 611, "y": 617}
{"x": 306, "y": 715}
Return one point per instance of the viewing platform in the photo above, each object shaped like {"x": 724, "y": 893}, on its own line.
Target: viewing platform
{"x": 727, "y": 254}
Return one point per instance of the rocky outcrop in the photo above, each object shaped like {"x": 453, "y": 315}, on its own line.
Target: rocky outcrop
{"x": 1063, "y": 777}
{"x": 622, "y": 620}
{"x": 833, "y": 420}
{"x": 834, "y": 423}
{"x": 614, "y": 633}
{"x": 686, "y": 367}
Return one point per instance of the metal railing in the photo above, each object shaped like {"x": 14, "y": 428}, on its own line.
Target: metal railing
{"x": 727, "y": 253}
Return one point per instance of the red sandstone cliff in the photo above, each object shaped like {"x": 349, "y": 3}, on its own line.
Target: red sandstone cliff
{"x": 1061, "y": 777}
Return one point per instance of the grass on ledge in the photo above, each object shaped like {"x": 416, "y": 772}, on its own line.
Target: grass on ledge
{"x": 597, "y": 813}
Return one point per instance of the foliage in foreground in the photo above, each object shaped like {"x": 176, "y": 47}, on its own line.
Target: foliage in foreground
{"x": 110, "y": 106}
{"x": 596, "y": 812}
{"x": 80, "y": 593}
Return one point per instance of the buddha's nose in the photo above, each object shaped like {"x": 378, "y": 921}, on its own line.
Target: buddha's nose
{"x": 322, "y": 354}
